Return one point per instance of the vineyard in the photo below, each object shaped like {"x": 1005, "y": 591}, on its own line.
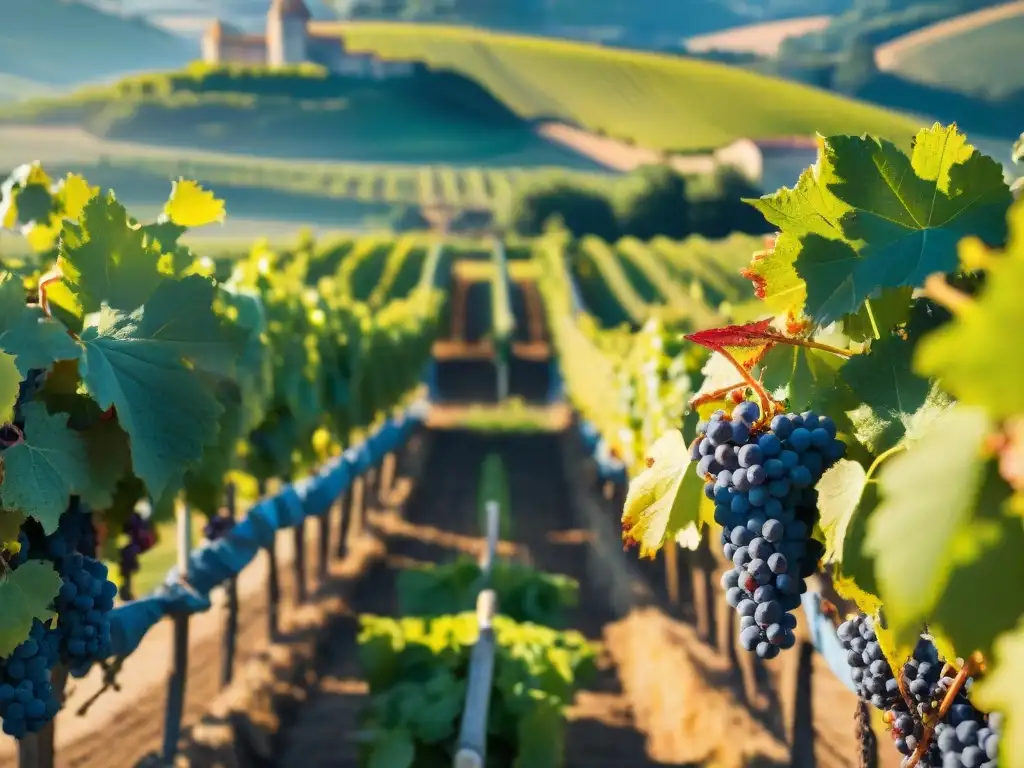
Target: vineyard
{"x": 427, "y": 185}
{"x": 415, "y": 460}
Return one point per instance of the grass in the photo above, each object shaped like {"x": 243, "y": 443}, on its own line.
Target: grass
{"x": 965, "y": 57}
{"x": 657, "y": 101}
{"x": 513, "y": 416}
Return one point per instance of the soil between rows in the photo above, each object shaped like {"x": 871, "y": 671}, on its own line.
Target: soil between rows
{"x": 439, "y": 523}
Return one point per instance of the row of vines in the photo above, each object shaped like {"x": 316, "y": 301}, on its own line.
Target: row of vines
{"x": 133, "y": 369}
{"x": 418, "y": 667}
{"x": 862, "y": 414}
{"x": 412, "y": 185}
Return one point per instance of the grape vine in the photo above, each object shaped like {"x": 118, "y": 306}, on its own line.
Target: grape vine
{"x": 886, "y": 314}
{"x": 129, "y": 373}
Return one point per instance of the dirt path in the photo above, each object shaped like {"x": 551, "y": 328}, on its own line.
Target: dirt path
{"x": 617, "y": 155}
{"x": 440, "y": 522}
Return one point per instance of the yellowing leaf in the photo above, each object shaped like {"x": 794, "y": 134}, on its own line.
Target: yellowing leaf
{"x": 1000, "y": 691}
{"x": 10, "y": 380}
{"x": 969, "y": 355}
{"x": 930, "y": 521}
{"x": 192, "y": 206}
{"x": 75, "y": 192}
{"x": 664, "y": 498}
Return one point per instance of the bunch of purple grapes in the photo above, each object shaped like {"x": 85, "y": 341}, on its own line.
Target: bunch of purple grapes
{"x": 218, "y": 525}
{"x": 141, "y": 538}
{"x": 86, "y": 596}
{"x": 762, "y": 482}
{"x": 965, "y": 738}
{"x": 27, "y": 699}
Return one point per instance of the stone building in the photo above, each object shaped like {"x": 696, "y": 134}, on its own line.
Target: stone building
{"x": 293, "y": 37}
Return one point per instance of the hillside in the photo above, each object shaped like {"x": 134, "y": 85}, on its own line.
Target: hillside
{"x": 60, "y": 42}
{"x": 970, "y": 54}
{"x": 653, "y": 100}
{"x": 763, "y": 39}
{"x": 304, "y": 112}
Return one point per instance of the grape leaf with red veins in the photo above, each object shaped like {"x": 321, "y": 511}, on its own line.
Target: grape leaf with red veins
{"x": 867, "y": 217}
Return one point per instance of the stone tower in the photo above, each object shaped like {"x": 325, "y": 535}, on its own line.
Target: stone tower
{"x": 286, "y": 32}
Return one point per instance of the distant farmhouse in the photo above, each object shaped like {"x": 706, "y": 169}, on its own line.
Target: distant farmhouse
{"x": 292, "y": 37}
{"x": 770, "y": 163}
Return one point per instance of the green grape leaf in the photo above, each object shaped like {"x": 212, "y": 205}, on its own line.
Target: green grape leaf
{"x": 27, "y": 594}
{"x": 135, "y": 363}
{"x": 42, "y": 471}
{"x": 541, "y": 736}
{"x": 801, "y": 375}
{"x": 393, "y": 749}
{"x": 896, "y": 404}
{"x": 109, "y": 454}
{"x": 969, "y": 354}
{"x": 664, "y": 498}
{"x": 868, "y": 217}
{"x": 846, "y": 501}
{"x": 888, "y": 310}
{"x": 10, "y": 383}
{"x": 839, "y": 495}
{"x": 1000, "y": 691}
{"x": 104, "y": 258}
{"x": 192, "y": 206}
{"x": 33, "y": 339}
{"x": 199, "y": 335}
{"x": 918, "y": 535}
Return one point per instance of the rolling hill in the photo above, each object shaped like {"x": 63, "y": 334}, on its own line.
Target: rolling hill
{"x": 66, "y": 42}
{"x": 971, "y": 54}
{"x": 653, "y": 100}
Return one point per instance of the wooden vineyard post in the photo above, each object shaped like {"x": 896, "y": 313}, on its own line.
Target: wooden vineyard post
{"x": 230, "y": 638}
{"x": 273, "y": 581}
{"x": 299, "y": 561}
{"x": 672, "y": 573}
{"x": 370, "y": 489}
{"x": 801, "y": 728}
{"x": 176, "y": 683}
{"x": 387, "y": 477}
{"x": 344, "y": 521}
{"x": 357, "y": 507}
{"x": 39, "y": 750}
{"x": 323, "y": 545}
{"x": 702, "y": 596}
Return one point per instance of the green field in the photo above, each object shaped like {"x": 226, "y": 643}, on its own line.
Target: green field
{"x": 302, "y": 113}
{"x": 974, "y": 61}
{"x": 653, "y": 100}
{"x": 325, "y": 192}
